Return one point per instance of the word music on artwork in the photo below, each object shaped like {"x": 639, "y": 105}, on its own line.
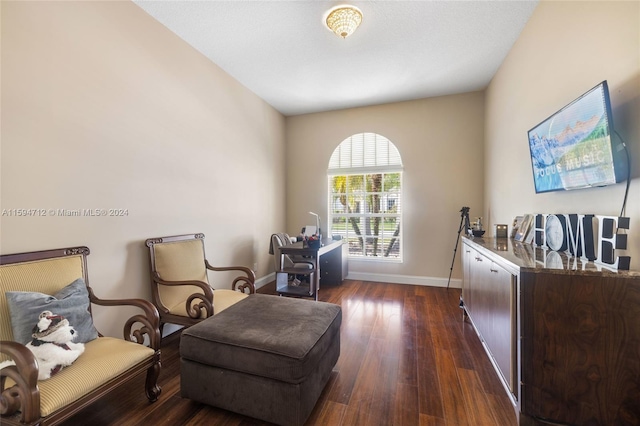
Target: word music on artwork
{"x": 587, "y": 237}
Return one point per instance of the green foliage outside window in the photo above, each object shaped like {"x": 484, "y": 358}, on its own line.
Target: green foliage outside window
{"x": 365, "y": 209}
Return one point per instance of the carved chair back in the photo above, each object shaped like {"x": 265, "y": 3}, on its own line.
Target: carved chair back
{"x": 180, "y": 258}
{"x": 45, "y": 272}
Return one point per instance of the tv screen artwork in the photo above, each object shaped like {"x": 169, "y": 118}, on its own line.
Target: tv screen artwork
{"x": 572, "y": 148}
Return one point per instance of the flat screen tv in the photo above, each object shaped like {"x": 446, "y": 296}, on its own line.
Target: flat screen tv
{"x": 573, "y": 148}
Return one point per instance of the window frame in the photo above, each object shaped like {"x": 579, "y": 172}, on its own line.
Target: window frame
{"x": 348, "y": 171}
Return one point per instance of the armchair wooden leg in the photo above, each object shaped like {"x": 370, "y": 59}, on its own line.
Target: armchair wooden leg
{"x": 152, "y": 389}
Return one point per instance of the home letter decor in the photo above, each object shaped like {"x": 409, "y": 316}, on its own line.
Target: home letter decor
{"x": 574, "y": 234}
{"x": 609, "y": 240}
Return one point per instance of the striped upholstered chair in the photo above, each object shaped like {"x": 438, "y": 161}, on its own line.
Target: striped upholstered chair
{"x": 57, "y": 281}
{"x": 180, "y": 284}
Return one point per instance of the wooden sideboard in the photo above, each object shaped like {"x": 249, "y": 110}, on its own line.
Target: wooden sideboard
{"x": 563, "y": 336}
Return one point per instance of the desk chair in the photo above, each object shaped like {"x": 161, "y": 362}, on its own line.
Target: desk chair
{"x": 179, "y": 281}
{"x": 288, "y": 262}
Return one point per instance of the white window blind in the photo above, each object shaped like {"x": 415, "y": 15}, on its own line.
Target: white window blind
{"x": 365, "y": 152}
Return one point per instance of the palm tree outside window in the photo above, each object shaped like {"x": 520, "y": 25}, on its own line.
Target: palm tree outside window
{"x": 365, "y": 196}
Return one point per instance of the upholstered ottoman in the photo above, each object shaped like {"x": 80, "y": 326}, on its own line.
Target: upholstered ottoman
{"x": 266, "y": 357}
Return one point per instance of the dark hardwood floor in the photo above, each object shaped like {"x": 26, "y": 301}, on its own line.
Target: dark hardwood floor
{"x": 407, "y": 358}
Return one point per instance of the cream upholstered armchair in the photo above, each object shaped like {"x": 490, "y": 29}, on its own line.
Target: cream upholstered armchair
{"x": 180, "y": 285}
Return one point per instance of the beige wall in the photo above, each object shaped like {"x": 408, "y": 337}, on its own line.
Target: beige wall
{"x": 440, "y": 140}
{"x": 565, "y": 49}
{"x": 103, "y": 107}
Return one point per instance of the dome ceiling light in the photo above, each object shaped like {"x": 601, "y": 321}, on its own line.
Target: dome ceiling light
{"x": 343, "y": 20}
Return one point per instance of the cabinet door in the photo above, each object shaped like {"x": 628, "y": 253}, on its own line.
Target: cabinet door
{"x": 494, "y": 314}
{"x": 500, "y": 337}
{"x": 332, "y": 267}
{"x": 478, "y": 307}
{"x": 467, "y": 258}
{"x": 474, "y": 294}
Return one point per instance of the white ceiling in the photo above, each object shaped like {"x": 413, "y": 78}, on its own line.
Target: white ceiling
{"x": 403, "y": 50}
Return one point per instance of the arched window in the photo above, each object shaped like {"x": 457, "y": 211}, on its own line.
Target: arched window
{"x": 365, "y": 196}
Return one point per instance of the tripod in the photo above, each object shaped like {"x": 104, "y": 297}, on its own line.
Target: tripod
{"x": 464, "y": 223}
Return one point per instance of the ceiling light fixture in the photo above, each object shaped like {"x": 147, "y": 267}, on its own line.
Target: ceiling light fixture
{"x": 343, "y": 20}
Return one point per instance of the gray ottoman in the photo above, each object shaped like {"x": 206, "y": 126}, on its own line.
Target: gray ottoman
{"x": 266, "y": 357}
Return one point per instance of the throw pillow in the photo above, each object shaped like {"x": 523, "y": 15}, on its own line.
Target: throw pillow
{"x": 72, "y": 302}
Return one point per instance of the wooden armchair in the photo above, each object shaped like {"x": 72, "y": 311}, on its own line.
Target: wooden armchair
{"x": 179, "y": 281}
{"x": 106, "y": 363}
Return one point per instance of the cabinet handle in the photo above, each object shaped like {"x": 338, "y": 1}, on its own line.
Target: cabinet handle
{"x": 493, "y": 270}
{"x": 478, "y": 259}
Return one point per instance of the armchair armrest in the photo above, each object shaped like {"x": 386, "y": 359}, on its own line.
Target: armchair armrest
{"x": 150, "y": 320}
{"x": 248, "y": 280}
{"x": 194, "y": 311}
{"x": 24, "y": 395}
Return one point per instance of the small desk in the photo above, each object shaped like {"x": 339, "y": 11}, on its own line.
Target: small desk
{"x": 330, "y": 266}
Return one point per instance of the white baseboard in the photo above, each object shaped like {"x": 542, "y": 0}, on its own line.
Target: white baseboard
{"x": 170, "y": 328}
{"x": 382, "y": 278}
{"x": 405, "y": 279}
{"x": 262, "y": 281}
